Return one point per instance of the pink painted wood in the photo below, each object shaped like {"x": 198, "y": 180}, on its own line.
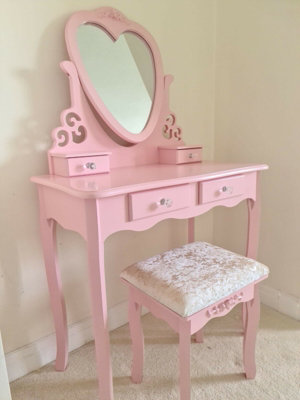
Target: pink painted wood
{"x": 191, "y": 238}
{"x": 221, "y": 188}
{"x": 48, "y": 236}
{"x": 95, "y": 245}
{"x": 82, "y": 131}
{"x": 136, "y": 333}
{"x": 186, "y": 326}
{"x": 254, "y": 208}
{"x": 81, "y": 165}
{"x": 251, "y": 326}
{"x": 199, "y": 336}
{"x": 115, "y": 23}
{"x": 158, "y": 201}
{"x": 184, "y": 359}
{"x": 180, "y": 154}
{"x": 96, "y": 206}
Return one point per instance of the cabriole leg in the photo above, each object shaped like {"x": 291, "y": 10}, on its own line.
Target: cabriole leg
{"x": 137, "y": 338}
{"x": 253, "y": 234}
{"x": 58, "y": 307}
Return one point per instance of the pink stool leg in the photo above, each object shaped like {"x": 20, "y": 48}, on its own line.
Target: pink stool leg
{"x": 244, "y": 316}
{"x": 252, "y": 322}
{"x": 184, "y": 360}
{"x": 199, "y": 336}
{"x": 191, "y": 230}
{"x": 191, "y": 239}
{"x": 137, "y": 337}
{"x": 48, "y": 236}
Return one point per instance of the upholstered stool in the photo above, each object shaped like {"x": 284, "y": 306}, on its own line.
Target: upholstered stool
{"x": 188, "y": 286}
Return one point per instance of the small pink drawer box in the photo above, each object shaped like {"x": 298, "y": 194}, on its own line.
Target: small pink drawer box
{"x": 180, "y": 154}
{"x": 80, "y": 164}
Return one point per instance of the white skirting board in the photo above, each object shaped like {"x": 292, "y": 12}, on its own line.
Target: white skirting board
{"x": 4, "y": 386}
{"x": 280, "y": 301}
{"x": 43, "y": 351}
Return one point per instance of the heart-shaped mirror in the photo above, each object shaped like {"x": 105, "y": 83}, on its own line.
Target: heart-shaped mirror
{"x": 119, "y": 67}
{"x": 121, "y": 72}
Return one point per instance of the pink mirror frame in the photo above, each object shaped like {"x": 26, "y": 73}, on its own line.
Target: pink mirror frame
{"x": 115, "y": 23}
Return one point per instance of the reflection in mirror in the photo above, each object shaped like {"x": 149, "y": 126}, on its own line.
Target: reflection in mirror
{"x": 121, "y": 72}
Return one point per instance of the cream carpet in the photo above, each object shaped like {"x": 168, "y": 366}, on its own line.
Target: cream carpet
{"x": 216, "y": 365}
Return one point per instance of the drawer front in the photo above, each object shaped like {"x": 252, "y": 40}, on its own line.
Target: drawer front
{"x": 75, "y": 166}
{"x": 159, "y": 201}
{"x": 189, "y": 156}
{"x": 88, "y": 165}
{"x": 219, "y": 189}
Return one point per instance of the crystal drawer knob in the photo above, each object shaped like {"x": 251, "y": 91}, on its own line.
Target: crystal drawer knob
{"x": 165, "y": 202}
{"x": 190, "y": 155}
{"x": 226, "y": 189}
{"x": 169, "y": 203}
{"x": 90, "y": 165}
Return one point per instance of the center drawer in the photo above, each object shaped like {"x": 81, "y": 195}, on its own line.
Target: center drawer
{"x": 159, "y": 201}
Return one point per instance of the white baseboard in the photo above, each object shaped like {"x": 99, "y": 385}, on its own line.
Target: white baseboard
{"x": 280, "y": 301}
{"x": 43, "y": 351}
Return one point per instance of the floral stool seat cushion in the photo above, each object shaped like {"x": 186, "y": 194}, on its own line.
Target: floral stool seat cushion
{"x": 190, "y": 278}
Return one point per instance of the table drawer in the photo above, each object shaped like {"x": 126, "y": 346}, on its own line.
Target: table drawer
{"x": 189, "y": 156}
{"x": 223, "y": 188}
{"x": 179, "y": 154}
{"x": 159, "y": 201}
{"x": 85, "y": 165}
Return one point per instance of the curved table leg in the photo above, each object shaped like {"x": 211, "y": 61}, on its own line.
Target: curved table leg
{"x": 95, "y": 246}
{"x": 253, "y": 227}
{"x": 48, "y": 235}
{"x": 253, "y": 235}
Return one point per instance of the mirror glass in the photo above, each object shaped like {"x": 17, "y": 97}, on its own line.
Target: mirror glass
{"x": 122, "y": 73}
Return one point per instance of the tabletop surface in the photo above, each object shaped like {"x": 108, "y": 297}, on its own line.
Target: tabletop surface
{"x": 142, "y": 177}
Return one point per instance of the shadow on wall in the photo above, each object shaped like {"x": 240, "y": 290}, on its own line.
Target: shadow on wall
{"x": 45, "y": 92}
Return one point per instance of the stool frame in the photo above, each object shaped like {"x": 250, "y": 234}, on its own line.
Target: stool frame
{"x": 193, "y": 324}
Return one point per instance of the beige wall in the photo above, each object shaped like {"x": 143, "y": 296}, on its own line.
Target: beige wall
{"x": 33, "y": 93}
{"x": 257, "y": 118}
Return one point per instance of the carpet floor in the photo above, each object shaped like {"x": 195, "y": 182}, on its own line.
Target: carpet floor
{"x": 216, "y": 365}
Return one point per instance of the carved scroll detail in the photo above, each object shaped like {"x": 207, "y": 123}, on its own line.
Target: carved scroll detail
{"x": 72, "y": 129}
{"x": 170, "y": 129}
{"x": 111, "y": 13}
{"x": 225, "y": 306}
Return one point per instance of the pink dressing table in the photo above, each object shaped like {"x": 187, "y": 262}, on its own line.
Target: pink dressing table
{"x": 104, "y": 178}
